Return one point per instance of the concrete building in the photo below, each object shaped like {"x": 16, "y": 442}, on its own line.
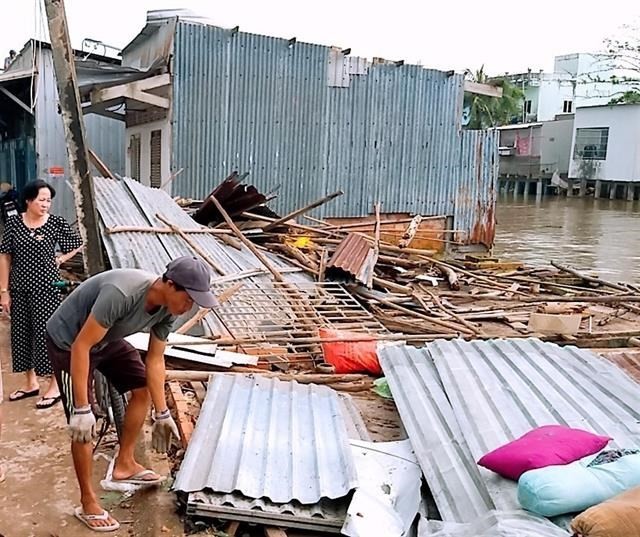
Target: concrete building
{"x": 592, "y": 76}
{"x": 531, "y": 154}
{"x": 304, "y": 119}
{"x": 32, "y": 141}
{"x": 605, "y": 150}
{"x": 546, "y": 95}
{"x": 578, "y": 80}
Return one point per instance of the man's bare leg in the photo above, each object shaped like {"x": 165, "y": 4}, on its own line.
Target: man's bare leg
{"x": 137, "y": 409}
{"x": 83, "y": 464}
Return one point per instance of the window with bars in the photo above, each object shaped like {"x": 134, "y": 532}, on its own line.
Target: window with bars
{"x": 156, "y": 159}
{"x": 591, "y": 143}
{"x": 134, "y": 155}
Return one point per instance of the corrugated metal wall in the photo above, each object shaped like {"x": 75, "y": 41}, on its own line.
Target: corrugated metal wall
{"x": 105, "y": 136}
{"x": 256, "y": 103}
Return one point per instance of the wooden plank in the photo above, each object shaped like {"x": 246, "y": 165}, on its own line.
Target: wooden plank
{"x": 100, "y": 166}
{"x": 127, "y": 90}
{"x": 482, "y": 89}
{"x": 149, "y": 98}
{"x": 185, "y": 425}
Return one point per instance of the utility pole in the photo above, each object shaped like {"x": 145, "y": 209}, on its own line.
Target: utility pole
{"x": 77, "y": 151}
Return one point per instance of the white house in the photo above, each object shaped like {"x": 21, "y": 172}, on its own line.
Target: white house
{"x": 578, "y": 80}
{"x": 592, "y": 75}
{"x": 605, "y": 150}
{"x": 546, "y": 95}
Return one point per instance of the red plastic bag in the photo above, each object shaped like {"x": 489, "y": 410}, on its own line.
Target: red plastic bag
{"x": 350, "y": 356}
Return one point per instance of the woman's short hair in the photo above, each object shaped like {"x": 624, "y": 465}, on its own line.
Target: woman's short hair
{"x": 32, "y": 189}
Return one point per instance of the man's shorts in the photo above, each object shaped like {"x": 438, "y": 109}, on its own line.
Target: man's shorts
{"x": 118, "y": 361}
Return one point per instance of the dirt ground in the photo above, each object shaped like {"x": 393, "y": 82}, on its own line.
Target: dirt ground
{"x": 40, "y": 492}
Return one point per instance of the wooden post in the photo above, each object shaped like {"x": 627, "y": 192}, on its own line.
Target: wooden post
{"x": 376, "y": 245}
{"x": 613, "y": 187}
{"x": 539, "y": 189}
{"x": 259, "y": 255}
{"x": 72, "y": 121}
{"x": 598, "y": 191}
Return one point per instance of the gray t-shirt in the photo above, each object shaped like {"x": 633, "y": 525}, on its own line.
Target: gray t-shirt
{"x": 116, "y": 298}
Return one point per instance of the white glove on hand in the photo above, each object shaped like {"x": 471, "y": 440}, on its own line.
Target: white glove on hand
{"x": 82, "y": 425}
{"x": 164, "y": 428}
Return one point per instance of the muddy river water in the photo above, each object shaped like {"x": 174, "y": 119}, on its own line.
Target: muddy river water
{"x": 600, "y": 235}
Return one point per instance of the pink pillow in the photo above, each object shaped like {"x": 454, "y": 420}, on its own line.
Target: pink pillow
{"x": 545, "y": 446}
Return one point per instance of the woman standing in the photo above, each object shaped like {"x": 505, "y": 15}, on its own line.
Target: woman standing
{"x": 28, "y": 269}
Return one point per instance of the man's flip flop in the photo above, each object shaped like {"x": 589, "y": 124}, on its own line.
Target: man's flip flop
{"x": 139, "y": 479}
{"x": 48, "y": 402}
{"x": 87, "y": 519}
{"x": 21, "y": 394}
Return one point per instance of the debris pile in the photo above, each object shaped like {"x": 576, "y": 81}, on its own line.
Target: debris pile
{"x": 289, "y": 290}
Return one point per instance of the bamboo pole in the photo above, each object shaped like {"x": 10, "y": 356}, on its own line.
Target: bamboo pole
{"x": 376, "y": 246}
{"x": 301, "y": 227}
{"x": 590, "y": 279}
{"x": 193, "y": 245}
{"x": 143, "y": 229}
{"x": 303, "y": 210}
{"x": 609, "y": 299}
{"x": 302, "y": 378}
{"x": 259, "y": 255}
{"x": 448, "y": 311}
{"x": 432, "y": 320}
{"x": 228, "y": 342}
{"x": 323, "y": 264}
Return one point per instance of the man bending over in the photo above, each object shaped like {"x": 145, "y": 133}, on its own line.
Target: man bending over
{"x": 87, "y": 331}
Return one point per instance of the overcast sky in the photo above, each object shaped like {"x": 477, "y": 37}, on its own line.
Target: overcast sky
{"x": 446, "y": 34}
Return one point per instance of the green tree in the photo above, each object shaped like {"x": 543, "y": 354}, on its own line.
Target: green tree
{"x": 487, "y": 112}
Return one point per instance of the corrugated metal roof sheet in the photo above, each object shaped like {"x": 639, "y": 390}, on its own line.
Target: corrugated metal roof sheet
{"x": 390, "y": 134}
{"x": 354, "y": 255}
{"x": 501, "y": 389}
{"x": 326, "y": 515}
{"x": 269, "y": 439}
{"x": 129, "y": 203}
{"x": 459, "y": 400}
{"x": 449, "y": 468}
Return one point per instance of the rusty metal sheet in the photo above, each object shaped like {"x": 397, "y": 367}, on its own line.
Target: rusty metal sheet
{"x": 234, "y": 196}
{"x": 353, "y": 255}
{"x": 626, "y": 359}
